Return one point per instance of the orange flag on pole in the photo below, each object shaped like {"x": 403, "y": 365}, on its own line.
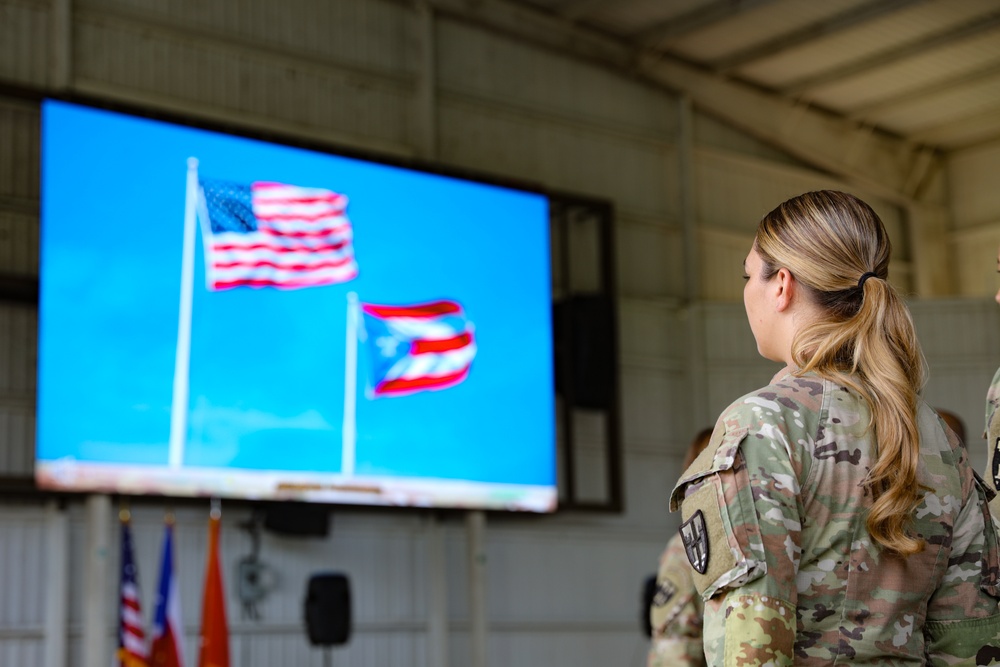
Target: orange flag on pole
{"x": 214, "y": 645}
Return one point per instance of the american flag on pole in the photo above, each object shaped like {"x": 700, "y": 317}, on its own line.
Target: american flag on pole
{"x": 275, "y": 235}
{"x": 131, "y": 637}
{"x": 418, "y": 347}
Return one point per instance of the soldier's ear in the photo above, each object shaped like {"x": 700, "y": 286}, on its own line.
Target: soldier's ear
{"x": 784, "y": 289}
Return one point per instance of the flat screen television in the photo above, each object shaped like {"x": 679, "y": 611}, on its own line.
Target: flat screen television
{"x": 222, "y": 316}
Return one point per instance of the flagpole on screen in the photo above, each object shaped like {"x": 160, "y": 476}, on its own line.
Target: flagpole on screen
{"x": 350, "y": 387}
{"x": 179, "y": 406}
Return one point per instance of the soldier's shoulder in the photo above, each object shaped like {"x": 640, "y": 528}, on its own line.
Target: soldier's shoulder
{"x": 787, "y": 402}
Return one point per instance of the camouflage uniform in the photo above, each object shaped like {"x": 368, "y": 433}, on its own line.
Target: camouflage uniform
{"x": 675, "y": 615}
{"x": 993, "y": 441}
{"x": 774, "y": 526}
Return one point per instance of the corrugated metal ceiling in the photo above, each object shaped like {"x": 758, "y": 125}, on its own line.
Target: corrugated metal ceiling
{"x": 925, "y": 70}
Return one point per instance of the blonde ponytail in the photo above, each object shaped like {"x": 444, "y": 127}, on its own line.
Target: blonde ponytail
{"x": 836, "y": 247}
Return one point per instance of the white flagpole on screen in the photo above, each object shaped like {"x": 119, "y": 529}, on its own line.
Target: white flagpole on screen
{"x": 350, "y": 387}
{"x": 179, "y": 406}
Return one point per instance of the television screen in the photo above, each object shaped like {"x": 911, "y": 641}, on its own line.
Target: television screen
{"x": 220, "y": 316}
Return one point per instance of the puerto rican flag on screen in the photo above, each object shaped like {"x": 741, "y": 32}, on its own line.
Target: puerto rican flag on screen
{"x": 275, "y": 235}
{"x": 418, "y": 347}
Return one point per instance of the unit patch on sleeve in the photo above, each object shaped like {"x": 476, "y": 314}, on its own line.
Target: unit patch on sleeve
{"x": 996, "y": 464}
{"x": 695, "y": 538}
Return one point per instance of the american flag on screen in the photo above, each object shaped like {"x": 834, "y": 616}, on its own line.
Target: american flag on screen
{"x": 275, "y": 235}
{"x": 131, "y": 637}
{"x": 418, "y": 347}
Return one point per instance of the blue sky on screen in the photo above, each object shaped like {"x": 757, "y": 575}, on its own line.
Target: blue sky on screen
{"x": 267, "y": 365}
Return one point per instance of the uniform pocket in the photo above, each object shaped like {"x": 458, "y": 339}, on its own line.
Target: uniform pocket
{"x": 720, "y": 527}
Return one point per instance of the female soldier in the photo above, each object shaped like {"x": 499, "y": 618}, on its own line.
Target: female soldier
{"x": 833, "y": 519}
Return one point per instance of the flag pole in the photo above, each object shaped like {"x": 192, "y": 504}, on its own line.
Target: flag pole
{"x": 182, "y": 362}
{"x": 350, "y": 388}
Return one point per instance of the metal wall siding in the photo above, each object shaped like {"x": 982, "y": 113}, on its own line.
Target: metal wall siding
{"x": 479, "y": 137}
{"x": 22, "y": 559}
{"x": 22, "y": 652}
{"x": 975, "y": 199}
{"x": 173, "y": 66}
{"x": 18, "y": 243}
{"x": 362, "y": 33}
{"x": 653, "y": 404}
{"x": 501, "y": 71}
{"x": 19, "y": 157}
{"x": 650, "y": 260}
{"x": 18, "y": 324}
{"x": 24, "y": 38}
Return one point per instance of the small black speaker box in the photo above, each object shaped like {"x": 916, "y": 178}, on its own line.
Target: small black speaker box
{"x": 297, "y": 519}
{"x": 584, "y": 332}
{"x": 328, "y": 609}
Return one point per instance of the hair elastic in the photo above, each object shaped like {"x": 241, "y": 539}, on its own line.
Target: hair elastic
{"x": 865, "y": 276}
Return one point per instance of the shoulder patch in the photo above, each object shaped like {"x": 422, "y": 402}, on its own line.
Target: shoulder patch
{"x": 695, "y": 537}
{"x": 996, "y": 462}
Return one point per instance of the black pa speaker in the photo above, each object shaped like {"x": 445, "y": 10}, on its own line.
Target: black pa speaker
{"x": 296, "y": 519}
{"x": 584, "y": 333}
{"x": 328, "y": 609}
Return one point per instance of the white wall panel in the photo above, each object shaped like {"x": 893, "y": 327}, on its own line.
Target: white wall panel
{"x": 24, "y": 40}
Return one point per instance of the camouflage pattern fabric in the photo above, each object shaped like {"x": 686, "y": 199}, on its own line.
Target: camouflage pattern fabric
{"x": 992, "y": 434}
{"x": 773, "y": 522}
{"x": 675, "y": 615}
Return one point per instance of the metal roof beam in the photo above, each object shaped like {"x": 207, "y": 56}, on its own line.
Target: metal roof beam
{"x": 799, "y": 36}
{"x": 979, "y": 75}
{"x": 971, "y": 28}
{"x": 983, "y": 126}
{"x": 873, "y": 160}
{"x": 695, "y": 20}
{"x": 877, "y": 161}
{"x": 575, "y": 9}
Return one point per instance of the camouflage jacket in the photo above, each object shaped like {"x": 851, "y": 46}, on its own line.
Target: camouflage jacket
{"x": 992, "y": 433}
{"x": 675, "y": 615}
{"x": 773, "y": 522}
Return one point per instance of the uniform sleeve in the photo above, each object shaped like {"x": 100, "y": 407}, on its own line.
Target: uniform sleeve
{"x": 992, "y": 398}
{"x": 992, "y": 433}
{"x": 676, "y": 613}
{"x": 963, "y": 618}
{"x": 742, "y": 532}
